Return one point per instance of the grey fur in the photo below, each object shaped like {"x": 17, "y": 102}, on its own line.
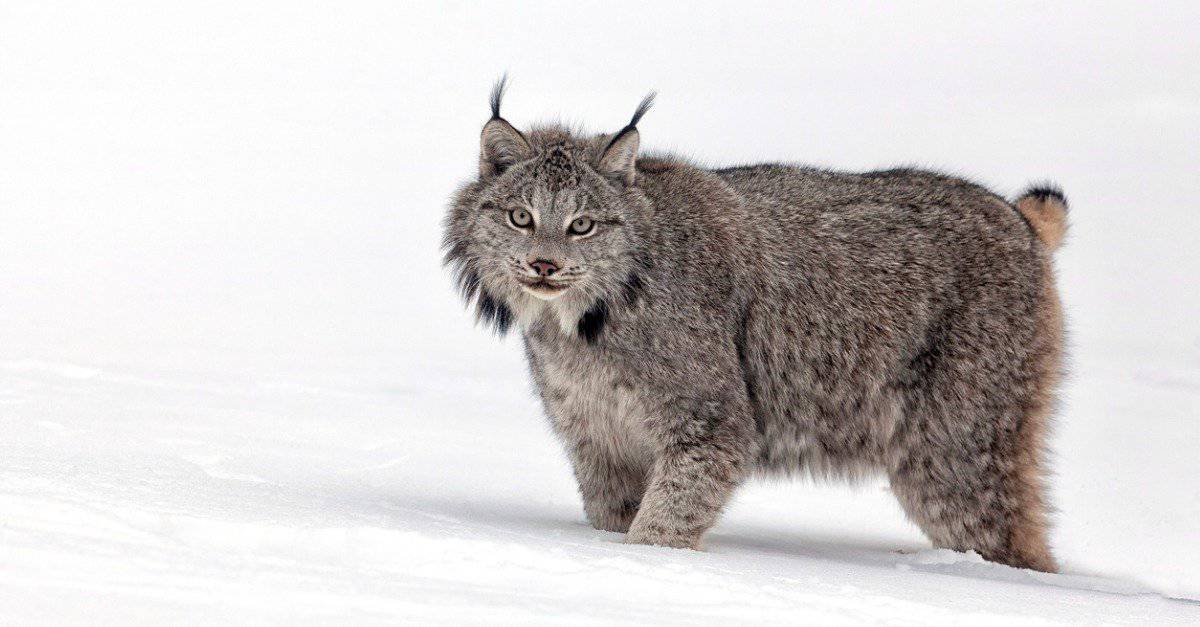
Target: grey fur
{"x": 772, "y": 319}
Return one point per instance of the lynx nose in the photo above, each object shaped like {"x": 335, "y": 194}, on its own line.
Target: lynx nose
{"x": 544, "y": 267}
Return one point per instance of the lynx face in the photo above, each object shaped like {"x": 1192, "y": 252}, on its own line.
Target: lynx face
{"x": 552, "y": 223}
{"x": 535, "y": 235}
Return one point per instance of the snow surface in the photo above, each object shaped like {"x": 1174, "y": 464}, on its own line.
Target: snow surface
{"x": 235, "y": 385}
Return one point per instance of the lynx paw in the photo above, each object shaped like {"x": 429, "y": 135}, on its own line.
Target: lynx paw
{"x": 615, "y": 519}
{"x": 612, "y": 524}
{"x": 663, "y": 538}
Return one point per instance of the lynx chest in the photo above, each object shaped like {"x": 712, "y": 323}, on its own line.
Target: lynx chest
{"x": 590, "y": 397}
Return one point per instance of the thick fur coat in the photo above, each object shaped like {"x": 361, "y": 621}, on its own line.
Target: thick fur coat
{"x": 686, "y": 327}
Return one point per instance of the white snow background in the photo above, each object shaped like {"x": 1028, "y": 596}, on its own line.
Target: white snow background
{"x": 237, "y": 387}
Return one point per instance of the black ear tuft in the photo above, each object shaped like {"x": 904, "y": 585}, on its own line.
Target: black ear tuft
{"x": 498, "y": 94}
{"x": 500, "y": 144}
{"x": 642, "y": 108}
{"x": 618, "y": 160}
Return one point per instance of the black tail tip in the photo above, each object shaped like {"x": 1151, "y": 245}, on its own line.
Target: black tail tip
{"x": 1045, "y": 191}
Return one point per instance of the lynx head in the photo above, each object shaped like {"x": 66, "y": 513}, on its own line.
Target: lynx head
{"x": 554, "y": 224}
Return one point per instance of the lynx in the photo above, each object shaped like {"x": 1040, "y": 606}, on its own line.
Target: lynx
{"x": 687, "y": 328}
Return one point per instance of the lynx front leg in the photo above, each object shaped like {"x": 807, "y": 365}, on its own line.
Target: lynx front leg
{"x": 610, "y": 485}
{"x": 705, "y": 455}
{"x": 596, "y": 428}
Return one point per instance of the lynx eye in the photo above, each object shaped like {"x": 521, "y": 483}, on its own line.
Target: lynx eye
{"x": 520, "y": 218}
{"x": 581, "y": 226}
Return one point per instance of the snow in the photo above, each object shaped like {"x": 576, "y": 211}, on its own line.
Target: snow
{"x": 236, "y": 386}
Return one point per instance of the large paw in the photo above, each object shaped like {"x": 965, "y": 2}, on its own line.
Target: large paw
{"x": 661, "y": 537}
{"x": 610, "y": 523}
{"x": 615, "y": 519}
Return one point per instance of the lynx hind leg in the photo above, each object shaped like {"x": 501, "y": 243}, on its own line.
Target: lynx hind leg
{"x": 968, "y": 496}
{"x": 967, "y": 461}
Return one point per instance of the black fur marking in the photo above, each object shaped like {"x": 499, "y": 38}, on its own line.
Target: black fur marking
{"x": 558, "y": 167}
{"x": 498, "y": 95}
{"x": 1045, "y": 191}
{"x": 754, "y": 168}
{"x": 592, "y": 322}
{"x": 1041, "y": 192}
{"x": 465, "y": 277}
{"x": 494, "y": 313}
{"x": 468, "y": 284}
{"x": 643, "y": 107}
{"x": 488, "y": 309}
{"x": 635, "y": 284}
{"x": 632, "y": 289}
{"x": 641, "y": 110}
{"x": 618, "y": 136}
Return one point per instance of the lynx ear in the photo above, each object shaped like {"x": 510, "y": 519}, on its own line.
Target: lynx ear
{"x": 500, "y": 144}
{"x": 619, "y": 159}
